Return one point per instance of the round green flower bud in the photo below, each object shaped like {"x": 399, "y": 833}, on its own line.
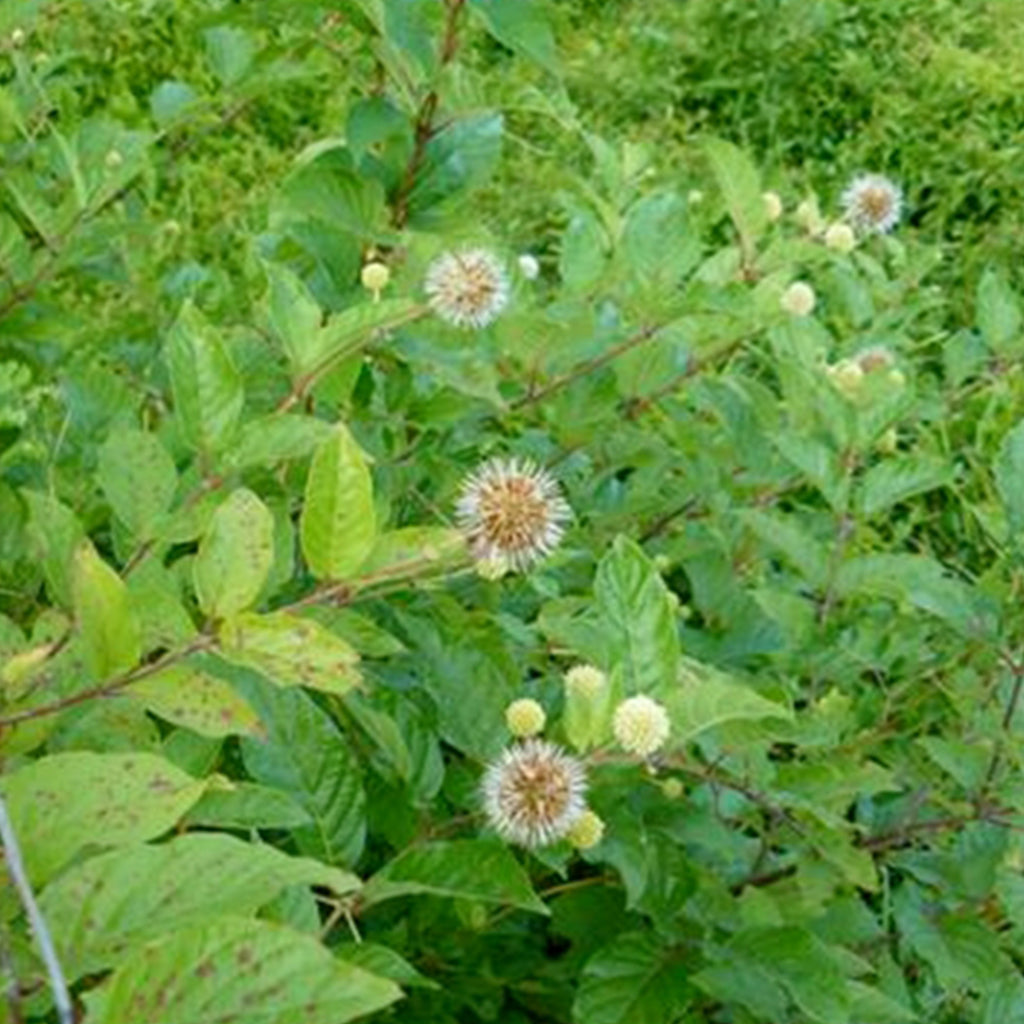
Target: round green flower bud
{"x": 672, "y": 788}
{"x": 772, "y": 205}
{"x": 587, "y": 831}
{"x": 524, "y": 717}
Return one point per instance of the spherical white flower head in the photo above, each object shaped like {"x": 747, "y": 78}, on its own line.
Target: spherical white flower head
{"x": 840, "y": 237}
{"x": 468, "y": 288}
{"x": 512, "y": 510}
{"x": 587, "y": 832}
{"x": 375, "y": 276}
{"x": 534, "y": 793}
{"x": 525, "y": 717}
{"x": 640, "y": 725}
{"x": 872, "y": 203}
{"x": 772, "y": 205}
{"x": 798, "y": 299}
{"x": 585, "y": 681}
{"x": 848, "y": 376}
{"x": 528, "y": 266}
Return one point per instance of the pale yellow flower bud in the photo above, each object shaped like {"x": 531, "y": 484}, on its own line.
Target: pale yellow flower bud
{"x": 113, "y": 160}
{"x": 585, "y": 681}
{"x": 493, "y": 568}
{"x": 528, "y": 266}
{"x": 524, "y": 717}
{"x": 772, "y": 205}
{"x": 809, "y": 218}
{"x": 840, "y": 237}
{"x": 897, "y": 378}
{"x": 888, "y": 442}
{"x": 672, "y": 788}
{"x": 587, "y": 831}
{"x": 798, "y": 299}
{"x": 375, "y": 276}
{"x": 18, "y": 37}
{"x": 641, "y": 725}
{"x": 695, "y": 197}
{"x": 847, "y": 376}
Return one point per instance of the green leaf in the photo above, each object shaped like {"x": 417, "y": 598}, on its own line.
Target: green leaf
{"x": 521, "y": 26}
{"x": 199, "y": 701}
{"x": 738, "y": 179}
{"x": 633, "y": 980}
{"x": 55, "y": 533}
{"x": 246, "y": 805}
{"x": 308, "y": 757}
{"x": 338, "y": 525}
{"x": 639, "y": 616}
{"x": 220, "y": 971}
{"x": 207, "y": 388}
{"x": 118, "y": 900}
{"x": 1009, "y": 473}
{"x": 999, "y": 314}
{"x": 295, "y": 316}
{"x": 235, "y": 555}
{"x": 663, "y": 216}
{"x": 385, "y": 962}
{"x": 896, "y": 479}
{"x": 291, "y": 651}
{"x": 63, "y": 802}
{"x": 478, "y": 869}
{"x": 706, "y": 698}
{"x": 411, "y": 549}
{"x": 230, "y": 52}
{"x": 138, "y": 478}
{"x": 584, "y": 251}
{"x": 107, "y": 624}
{"x": 277, "y": 438}
{"x": 783, "y": 533}
{"x": 354, "y": 328}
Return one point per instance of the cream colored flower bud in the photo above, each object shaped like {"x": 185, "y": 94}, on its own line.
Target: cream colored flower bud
{"x": 641, "y": 725}
{"x": 695, "y": 197}
{"x": 772, "y": 205}
{"x": 840, "y": 237}
{"x": 798, "y": 299}
{"x": 524, "y": 718}
{"x": 492, "y": 569}
{"x": 587, "y": 831}
{"x": 585, "y": 681}
{"x": 528, "y": 266}
{"x": 888, "y": 442}
{"x": 18, "y": 37}
{"x": 897, "y": 378}
{"x": 809, "y": 218}
{"x": 847, "y": 376}
{"x": 375, "y": 276}
{"x": 672, "y": 788}
{"x": 113, "y": 160}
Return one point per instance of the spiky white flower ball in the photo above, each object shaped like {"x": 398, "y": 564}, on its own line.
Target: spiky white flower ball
{"x": 641, "y": 725}
{"x": 534, "y": 793}
{"x": 529, "y": 267}
{"x": 525, "y": 717}
{"x": 585, "y": 681}
{"x": 872, "y": 203}
{"x": 467, "y": 288}
{"x": 511, "y": 509}
{"x": 772, "y": 205}
{"x": 587, "y": 832}
{"x": 840, "y": 237}
{"x": 798, "y": 299}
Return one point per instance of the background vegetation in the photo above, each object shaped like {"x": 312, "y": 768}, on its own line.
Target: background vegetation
{"x": 246, "y": 704}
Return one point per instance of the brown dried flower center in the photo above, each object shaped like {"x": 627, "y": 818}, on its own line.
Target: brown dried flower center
{"x": 876, "y": 203}
{"x": 513, "y": 513}
{"x": 474, "y": 287}
{"x": 536, "y": 790}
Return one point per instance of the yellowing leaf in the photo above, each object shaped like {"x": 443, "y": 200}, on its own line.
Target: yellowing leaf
{"x": 109, "y": 629}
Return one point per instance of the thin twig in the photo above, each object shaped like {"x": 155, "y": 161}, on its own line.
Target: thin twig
{"x": 16, "y": 870}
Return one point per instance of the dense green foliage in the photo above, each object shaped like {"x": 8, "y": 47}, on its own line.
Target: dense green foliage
{"x": 252, "y": 673}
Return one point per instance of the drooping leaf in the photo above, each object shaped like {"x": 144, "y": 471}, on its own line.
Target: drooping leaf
{"x": 639, "y": 617}
{"x": 338, "y": 525}
{"x": 138, "y": 478}
{"x": 235, "y": 555}
{"x": 222, "y": 970}
{"x": 107, "y": 624}
{"x": 479, "y": 869}
{"x": 291, "y": 651}
{"x": 110, "y": 903}
{"x": 64, "y": 802}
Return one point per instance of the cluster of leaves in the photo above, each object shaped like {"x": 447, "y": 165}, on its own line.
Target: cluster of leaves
{"x": 250, "y": 677}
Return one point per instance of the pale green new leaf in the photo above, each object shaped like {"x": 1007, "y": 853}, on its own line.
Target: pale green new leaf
{"x": 738, "y": 179}
{"x": 238, "y": 971}
{"x": 338, "y": 525}
{"x": 235, "y": 555}
{"x": 478, "y": 869}
{"x": 291, "y": 651}
{"x": 110, "y": 903}
{"x": 107, "y": 624}
{"x": 63, "y": 802}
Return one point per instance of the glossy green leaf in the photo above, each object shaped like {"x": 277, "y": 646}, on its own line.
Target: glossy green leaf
{"x": 235, "y": 555}
{"x": 246, "y": 805}
{"x": 295, "y": 316}
{"x": 479, "y": 869}
{"x": 64, "y": 802}
{"x": 279, "y": 437}
{"x": 221, "y": 970}
{"x": 55, "y": 533}
{"x": 111, "y": 903}
{"x": 521, "y": 26}
{"x": 291, "y": 651}
{"x": 741, "y": 187}
{"x": 107, "y": 624}
{"x": 338, "y": 525}
{"x": 138, "y": 478}
{"x": 207, "y": 388}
